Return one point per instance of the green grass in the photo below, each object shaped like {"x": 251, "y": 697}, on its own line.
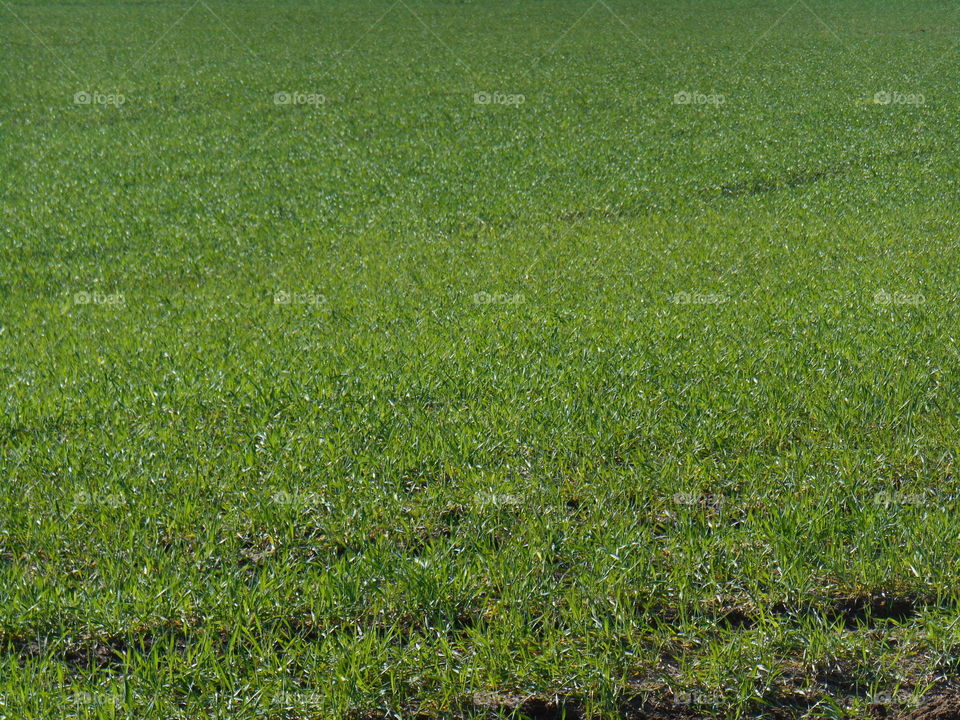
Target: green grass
{"x": 397, "y": 401}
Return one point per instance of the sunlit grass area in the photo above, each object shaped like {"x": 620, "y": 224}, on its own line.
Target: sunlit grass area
{"x": 465, "y": 359}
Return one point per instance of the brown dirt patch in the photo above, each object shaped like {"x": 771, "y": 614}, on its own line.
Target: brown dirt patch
{"x": 943, "y": 706}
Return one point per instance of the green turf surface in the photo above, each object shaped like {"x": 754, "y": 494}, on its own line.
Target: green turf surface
{"x": 396, "y": 357}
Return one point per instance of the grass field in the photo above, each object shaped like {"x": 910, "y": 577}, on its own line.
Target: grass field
{"x": 458, "y": 359}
